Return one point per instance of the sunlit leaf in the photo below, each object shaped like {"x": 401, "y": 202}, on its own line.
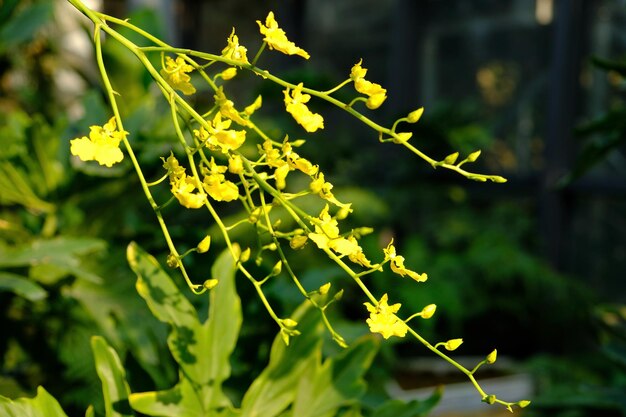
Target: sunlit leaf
{"x": 42, "y": 405}
{"x": 113, "y": 377}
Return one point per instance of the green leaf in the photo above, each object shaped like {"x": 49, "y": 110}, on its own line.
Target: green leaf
{"x": 201, "y": 349}
{"x": 273, "y": 390}
{"x": 113, "y": 377}
{"x": 21, "y": 286}
{"x": 63, "y": 253}
{"x": 338, "y": 382}
{"x": 15, "y": 189}
{"x": 26, "y": 23}
{"x": 43, "y": 405}
{"x": 415, "y": 408}
{"x": 180, "y": 401}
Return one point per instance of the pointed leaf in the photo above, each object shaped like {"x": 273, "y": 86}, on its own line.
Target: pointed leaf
{"x": 62, "y": 252}
{"x": 201, "y": 350}
{"x": 25, "y": 24}
{"x": 336, "y": 383}
{"x": 415, "y": 408}
{"x": 275, "y": 388}
{"x": 21, "y": 286}
{"x": 113, "y": 377}
{"x": 43, "y": 405}
{"x": 223, "y": 324}
{"x": 180, "y": 401}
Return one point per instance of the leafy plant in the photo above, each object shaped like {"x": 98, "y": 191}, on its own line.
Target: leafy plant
{"x": 296, "y": 381}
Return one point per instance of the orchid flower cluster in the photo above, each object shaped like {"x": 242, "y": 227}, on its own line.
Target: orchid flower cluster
{"x": 215, "y": 169}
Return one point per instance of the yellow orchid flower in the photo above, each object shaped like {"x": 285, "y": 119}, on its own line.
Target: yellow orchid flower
{"x": 276, "y": 38}
{"x": 175, "y": 73}
{"x": 397, "y": 264}
{"x": 182, "y": 186}
{"x": 235, "y": 51}
{"x": 295, "y": 103}
{"x": 375, "y": 92}
{"x": 216, "y": 185}
{"x": 383, "y": 319}
{"x": 219, "y": 136}
{"x": 101, "y": 146}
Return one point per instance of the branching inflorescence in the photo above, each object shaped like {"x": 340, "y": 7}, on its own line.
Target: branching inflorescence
{"x": 215, "y": 170}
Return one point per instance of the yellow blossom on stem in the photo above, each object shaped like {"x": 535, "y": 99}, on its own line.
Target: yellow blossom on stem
{"x": 375, "y": 92}
{"x": 325, "y": 229}
{"x": 219, "y": 136}
{"x": 383, "y": 319}
{"x": 235, "y": 51}
{"x": 216, "y": 185}
{"x": 182, "y": 186}
{"x": 326, "y": 235}
{"x": 323, "y": 188}
{"x": 276, "y": 38}
{"x": 227, "y": 107}
{"x": 295, "y": 104}
{"x": 175, "y": 73}
{"x": 183, "y": 189}
{"x": 235, "y": 164}
{"x": 101, "y": 146}
{"x": 272, "y": 155}
{"x": 357, "y": 256}
{"x": 397, "y": 264}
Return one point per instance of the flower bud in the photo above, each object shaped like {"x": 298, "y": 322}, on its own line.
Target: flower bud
{"x": 343, "y": 212}
{"x": 204, "y": 244}
{"x": 298, "y": 242}
{"x": 209, "y": 284}
{"x": 489, "y": 399}
{"x": 290, "y": 323}
{"x": 235, "y": 164}
{"x": 277, "y": 268}
{"x": 374, "y": 101}
{"x": 338, "y": 296}
{"x": 324, "y": 289}
{"x": 229, "y": 73}
{"x": 298, "y": 142}
{"x": 172, "y": 261}
{"x": 245, "y": 255}
{"x": 451, "y": 159}
{"x": 254, "y": 216}
{"x": 236, "y": 250}
{"x": 453, "y": 344}
{"x": 497, "y": 178}
{"x": 415, "y": 115}
{"x": 403, "y": 137}
{"x": 428, "y": 311}
{"x": 523, "y": 403}
{"x": 473, "y": 156}
{"x": 491, "y": 358}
